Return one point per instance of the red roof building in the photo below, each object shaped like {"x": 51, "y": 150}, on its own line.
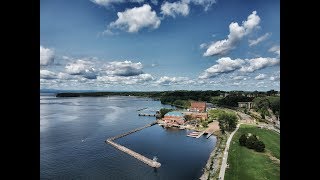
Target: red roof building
{"x": 197, "y": 106}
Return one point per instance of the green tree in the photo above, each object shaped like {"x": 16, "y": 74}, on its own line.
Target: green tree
{"x": 188, "y": 117}
{"x": 164, "y": 111}
{"x": 275, "y": 105}
{"x": 250, "y": 143}
{"x": 222, "y": 126}
{"x": 272, "y": 92}
{"x": 205, "y": 124}
{"x": 243, "y": 140}
{"x": 261, "y": 102}
{"x": 227, "y": 121}
{"x": 233, "y": 99}
{"x": 259, "y": 146}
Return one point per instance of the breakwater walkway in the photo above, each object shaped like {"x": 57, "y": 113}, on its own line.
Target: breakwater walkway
{"x": 136, "y": 155}
{"x": 143, "y": 114}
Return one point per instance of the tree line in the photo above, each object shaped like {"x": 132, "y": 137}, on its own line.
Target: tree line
{"x": 182, "y": 98}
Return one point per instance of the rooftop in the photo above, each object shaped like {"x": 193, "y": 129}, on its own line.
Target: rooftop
{"x": 174, "y": 113}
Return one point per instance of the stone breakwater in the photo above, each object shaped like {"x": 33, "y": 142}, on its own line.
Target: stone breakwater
{"x": 136, "y": 155}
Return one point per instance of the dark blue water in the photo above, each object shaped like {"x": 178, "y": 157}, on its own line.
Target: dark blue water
{"x": 73, "y": 131}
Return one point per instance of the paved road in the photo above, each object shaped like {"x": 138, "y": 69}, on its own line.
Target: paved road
{"x": 225, "y": 154}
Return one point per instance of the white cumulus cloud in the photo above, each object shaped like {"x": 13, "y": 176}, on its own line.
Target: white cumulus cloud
{"x": 259, "y": 39}
{"x": 275, "y": 76}
{"x": 132, "y": 20}
{"x": 259, "y": 63}
{"x": 237, "y": 32}
{"x": 46, "y": 56}
{"x": 166, "y": 81}
{"x": 260, "y": 77}
{"x": 275, "y": 49}
{"x": 175, "y": 8}
{"x": 225, "y": 65}
{"x": 239, "y": 78}
{"x": 83, "y": 68}
{"x": 205, "y": 3}
{"x": 123, "y": 68}
{"x": 183, "y": 7}
{"x": 109, "y": 2}
{"x": 127, "y": 80}
{"x": 46, "y": 74}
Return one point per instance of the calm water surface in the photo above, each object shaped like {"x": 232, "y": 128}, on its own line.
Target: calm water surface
{"x": 73, "y": 131}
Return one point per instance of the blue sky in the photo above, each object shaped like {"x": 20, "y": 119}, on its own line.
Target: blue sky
{"x": 160, "y": 45}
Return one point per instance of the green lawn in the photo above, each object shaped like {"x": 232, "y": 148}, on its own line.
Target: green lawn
{"x": 247, "y": 164}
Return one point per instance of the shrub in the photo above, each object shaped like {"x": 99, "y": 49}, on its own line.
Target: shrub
{"x": 250, "y": 143}
{"x": 243, "y": 140}
{"x": 205, "y": 124}
{"x": 188, "y": 117}
{"x": 164, "y": 111}
{"x": 259, "y": 146}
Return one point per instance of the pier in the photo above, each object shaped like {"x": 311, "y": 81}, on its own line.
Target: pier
{"x": 209, "y": 135}
{"x": 196, "y": 134}
{"x": 142, "y": 109}
{"x": 142, "y": 114}
{"x": 136, "y": 155}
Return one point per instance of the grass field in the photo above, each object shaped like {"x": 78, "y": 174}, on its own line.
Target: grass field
{"x": 246, "y": 164}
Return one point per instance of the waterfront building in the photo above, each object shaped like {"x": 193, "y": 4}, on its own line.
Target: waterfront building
{"x": 197, "y": 115}
{"x": 174, "y": 118}
{"x": 197, "y": 106}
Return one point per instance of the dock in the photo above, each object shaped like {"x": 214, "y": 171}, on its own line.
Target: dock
{"x": 136, "y": 155}
{"x": 209, "y": 135}
{"x": 196, "y": 134}
{"x": 143, "y": 114}
{"x": 142, "y": 109}
{"x": 200, "y": 134}
{"x": 133, "y": 131}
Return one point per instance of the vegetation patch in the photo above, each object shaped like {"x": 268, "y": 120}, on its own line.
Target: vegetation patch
{"x": 251, "y": 142}
{"x": 245, "y": 163}
{"x": 227, "y": 119}
{"x": 164, "y": 111}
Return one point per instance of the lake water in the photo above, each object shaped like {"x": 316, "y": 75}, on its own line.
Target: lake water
{"x": 73, "y": 133}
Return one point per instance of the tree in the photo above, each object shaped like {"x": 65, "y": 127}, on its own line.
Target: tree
{"x": 275, "y": 106}
{"x": 272, "y": 92}
{"x": 233, "y": 99}
{"x": 250, "y": 143}
{"x": 227, "y": 121}
{"x": 243, "y": 140}
{"x": 205, "y": 124}
{"x": 164, "y": 111}
{"x": 259, "y": 146}
{"x": 261, "y": 103}
{"x": 222, "y": 126}
{"x": 188, "y": 117}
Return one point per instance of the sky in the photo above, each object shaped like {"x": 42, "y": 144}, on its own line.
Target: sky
{"x": 154, "y": 45}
